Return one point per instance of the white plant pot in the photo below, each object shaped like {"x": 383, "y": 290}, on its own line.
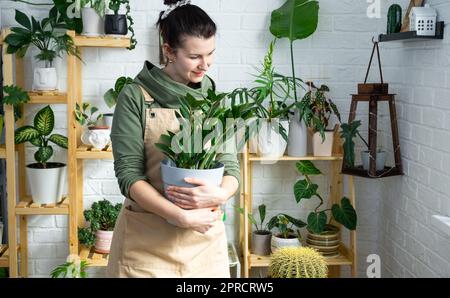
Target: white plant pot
{"x": 325, "y": 148}
{"x": 298, "y": 137}
{"x": 380, "y": 160}
{"x": 103, "y": 241}
{"x": 108, "y": 119}
{"x": 277, "y": 242}
{"x": 269, "y": 143}
{"x": 47, "y": 184}
{"x": 45, "y": 79}
{"x": 93, "y": 24}
{"x": 97, "y": 137}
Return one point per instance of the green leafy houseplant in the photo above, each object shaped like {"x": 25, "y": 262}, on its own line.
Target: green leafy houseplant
{"x": 114, "y": 5}
{"x": 348, "y": 132}
{"x": 98, "y": 5}
{"x": 72, "y": 268}
{"x": 43, "y": 35}
{"x": 102, "y": 216}
{"x": 40, "y": 135}
{"x": 14, "y": 95}
{"x": 110, "y": 96}
{"x": 285, "y": 225}
{"x": 261, "y": 228}
{"x": 200, "y": 118}
{"x": 344, "y": 213}
{"x": 85, "y": 114}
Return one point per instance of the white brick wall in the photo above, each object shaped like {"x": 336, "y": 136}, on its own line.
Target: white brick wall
{"x": 389, "y": 221}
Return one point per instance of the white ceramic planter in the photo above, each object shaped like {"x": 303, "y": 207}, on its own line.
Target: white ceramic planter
{"x": 380, "y": 160}
{"x": 47, "y": 184}
{"x": 97, "y": 137}
{"x": 93, "y": 24}
{"x": 269, "y": 143}
{"x": 298, "y": 137}
{"x": 277, "y": 242}
{"x": 45, "y": 79}
{"x": 103, "y": 241}
{"x": 325, "y": 148}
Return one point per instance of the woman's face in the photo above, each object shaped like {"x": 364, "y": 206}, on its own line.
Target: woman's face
{"x": 192, "y": 60}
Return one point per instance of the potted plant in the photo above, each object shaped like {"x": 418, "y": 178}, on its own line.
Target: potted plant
{"x": 297, "y": 262}
{"x": 322, "y": 236}
{"x": 96, "y": 135}
{"x": 296, "y": 20}
{"x": 192, "y": 152}
{"x": 322, "y": 108}
{"x": 116, "y": 24}
{"x": 261, "y": 236}
{"x": 271, "y": 108}
{"x": 110, "y": 97}
{"x": 72, "y": 268}
{"x": 102, "y": 218}
{"x": 92, "y": 15}
{"x": 286, "y": 236}
{"x": 50, "y": 42}
{"x": 348, "y": 132}
{"x": 46, "y": 178}
{"x": 13, "y": 95}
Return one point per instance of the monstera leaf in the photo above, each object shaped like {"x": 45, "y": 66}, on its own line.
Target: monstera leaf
{"x": 296, "y": 19}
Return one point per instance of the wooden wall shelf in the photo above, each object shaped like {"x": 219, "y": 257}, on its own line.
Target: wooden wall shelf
{"x": 92, "y": 258}
{"x": 86, "y": 152}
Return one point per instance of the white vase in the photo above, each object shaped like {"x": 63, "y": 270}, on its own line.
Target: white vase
{"x": 298, "y": 137}
{"x": 324, "y": 148}
{"x": 277, "y": 242}
{"x": 47, "y": 184}
{"x": 93, "y": 24}
{"x": 380, "y": 160}
{"x": 45, "y": 79}
{"x": 269, "y": 143}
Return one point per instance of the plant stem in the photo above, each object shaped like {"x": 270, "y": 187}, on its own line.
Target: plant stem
{"x": 32, "y": 3}
{"x": 293, "y": 71}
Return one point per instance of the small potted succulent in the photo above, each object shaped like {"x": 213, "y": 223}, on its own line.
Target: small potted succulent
{"x": 110, "y": 97}
{"x": 322, "y": 108}
{"x": 46, "y": 178}
{"x": 102, "y": 217}
{"x": 116, "y": 24}
{"x": 261, "y": 236}
{"x": 96, "y": 135}
{"x": 51, "y": 43}
{"x": 322, "y": 236}
{"x": 286, "y": 236}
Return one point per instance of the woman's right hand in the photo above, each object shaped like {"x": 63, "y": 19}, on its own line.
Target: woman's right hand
{"x": 200, "y": 220}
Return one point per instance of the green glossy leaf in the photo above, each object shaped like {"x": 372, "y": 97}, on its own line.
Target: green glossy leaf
{"x": 44, "y": 121}
{"x": 59, "y": 140}
{"x": 262, "y": 212}
{"x": 37, "y": 142}
{"x": 25, "y": 134}
{"x": 22, "y": 19}
{"x": 306, "y": 167}
{"x": 296, "y": 222}
{"x": 345, "y": 214}
{"x": 110, "y": 98}
{"x": 14, "y": 95}
{"x": 317, "y": 222}
{"x": 43, "y": 154}
{"x": 304, "y": 190}
{"x": 295, "y": 19}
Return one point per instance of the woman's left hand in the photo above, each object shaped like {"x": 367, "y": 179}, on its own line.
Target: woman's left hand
{"x": 203, "y": 196}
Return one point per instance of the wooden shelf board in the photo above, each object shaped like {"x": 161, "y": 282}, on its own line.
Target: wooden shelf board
{"x": 88, "y": 152}
{"x": 412, "y": 35}
{"x": 92, "y": 258}
{"x": 47, "y": 97}
{"x": 4, "y": 256}
{"x": 254, "y": 157}
{"x": 102, "y": 41}
{"x": 2, "y": 151}
{"x": 30, "y": 208}
{"x": 264, "y": 261}
{"x": 360, "y": 172}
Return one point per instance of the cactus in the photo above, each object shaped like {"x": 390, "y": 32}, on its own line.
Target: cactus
{"x": 297, "y": 262}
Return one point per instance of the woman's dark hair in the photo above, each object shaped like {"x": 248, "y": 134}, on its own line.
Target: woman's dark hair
{"x": 189, "y": 20}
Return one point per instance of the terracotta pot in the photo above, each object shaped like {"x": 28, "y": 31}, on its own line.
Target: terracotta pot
{"x": 103, "y": 241}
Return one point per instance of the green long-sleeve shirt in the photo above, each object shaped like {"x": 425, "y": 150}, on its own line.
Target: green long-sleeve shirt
{"x": 127, "y": 133}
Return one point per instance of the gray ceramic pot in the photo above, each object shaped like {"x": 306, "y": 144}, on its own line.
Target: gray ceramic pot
{"x": 261, "y": 243}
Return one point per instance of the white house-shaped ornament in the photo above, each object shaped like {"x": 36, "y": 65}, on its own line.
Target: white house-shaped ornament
{"x": 423, "y": 20}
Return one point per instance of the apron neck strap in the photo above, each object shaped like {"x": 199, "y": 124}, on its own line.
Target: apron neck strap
{"x": 147, "y": 96}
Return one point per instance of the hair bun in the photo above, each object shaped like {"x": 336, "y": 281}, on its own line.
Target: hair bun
{"x": 171, "y": 2}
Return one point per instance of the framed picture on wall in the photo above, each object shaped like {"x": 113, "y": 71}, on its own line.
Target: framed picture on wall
{"x": 412, "y": 3}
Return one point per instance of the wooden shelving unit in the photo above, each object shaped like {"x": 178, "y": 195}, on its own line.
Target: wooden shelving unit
{"x": 76, "y": 153}
{"x": 347, "y": 252}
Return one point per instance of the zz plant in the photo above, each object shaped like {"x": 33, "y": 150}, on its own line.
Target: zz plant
{"x": 40, "y": 135}
{"x": 344, "y": 213}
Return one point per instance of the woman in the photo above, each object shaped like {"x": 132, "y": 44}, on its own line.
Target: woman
{"x": 145, "y": 244}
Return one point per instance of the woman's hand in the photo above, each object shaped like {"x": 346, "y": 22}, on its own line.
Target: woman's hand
{"x": 203, "y": 196}
{"x": 200, "y": 220}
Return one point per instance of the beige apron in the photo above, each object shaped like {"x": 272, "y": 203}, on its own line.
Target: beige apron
{"x": 145, "y": 244}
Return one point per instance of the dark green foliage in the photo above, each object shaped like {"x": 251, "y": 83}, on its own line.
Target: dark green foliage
{"x": 14, "y": 95}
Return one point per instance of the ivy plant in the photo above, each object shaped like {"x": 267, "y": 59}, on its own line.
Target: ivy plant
{"x": 40, "y": 135}
{"x": 343, "y": 213}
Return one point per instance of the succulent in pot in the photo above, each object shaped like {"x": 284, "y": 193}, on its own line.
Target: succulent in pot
{"x": 46, "y": 178}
